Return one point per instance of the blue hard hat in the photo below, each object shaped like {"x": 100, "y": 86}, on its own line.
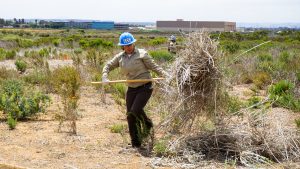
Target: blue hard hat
{"x": 125, "y": 39}
{"x": 173, "y": 38}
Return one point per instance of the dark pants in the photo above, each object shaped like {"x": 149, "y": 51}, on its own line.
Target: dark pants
{"x": 138, "y": 122}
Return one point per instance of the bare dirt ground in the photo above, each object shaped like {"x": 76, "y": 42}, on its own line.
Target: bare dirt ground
{"x": 37, "y": 144}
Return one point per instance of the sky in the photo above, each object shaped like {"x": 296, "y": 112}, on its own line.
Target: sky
{"x": 252, "y": 11}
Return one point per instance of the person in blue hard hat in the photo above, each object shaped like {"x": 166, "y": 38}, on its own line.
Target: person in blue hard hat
{"x": 172, "y": 44}
{"x": 134, "y": 63}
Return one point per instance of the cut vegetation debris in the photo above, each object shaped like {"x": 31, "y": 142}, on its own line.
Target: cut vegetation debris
{"x": 195, "y": 95}
{"x": 196, "y": 78}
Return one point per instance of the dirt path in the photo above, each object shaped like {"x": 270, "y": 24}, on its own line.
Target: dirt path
{"x": 37, "y": 144}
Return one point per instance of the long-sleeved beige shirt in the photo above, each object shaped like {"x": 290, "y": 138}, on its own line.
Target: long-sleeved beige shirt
{"x": 136, "y": 66}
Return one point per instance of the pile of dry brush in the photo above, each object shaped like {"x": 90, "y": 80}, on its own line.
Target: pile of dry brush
{"x": 195, "y": 81}
{"x": 195, "y": 90}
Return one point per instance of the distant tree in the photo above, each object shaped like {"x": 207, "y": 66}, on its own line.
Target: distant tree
{"x": 23, "y": 21}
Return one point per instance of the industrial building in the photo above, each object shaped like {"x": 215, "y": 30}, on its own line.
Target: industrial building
{"x": 106, "y": 25}
{"x": 121, "y": 26}
{"x": 211, "y": 26}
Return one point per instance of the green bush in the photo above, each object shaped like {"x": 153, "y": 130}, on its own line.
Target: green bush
{"x": 11, "y": 54}
{"x": 11, "y": 122}
{"x": 95, "y": 43}
{"x": 282, "y": 95}
{"x": 231, "y": 47}
{"x": 234, "y": 104}
{"x": 161, "y": 147}
{"x": 253, "y": 101}
{"x": 161, "y": 55}
{"x": 118, "y": 128}
{"x": 265, "y": 57}
{"x": 2, "y": 54}
{"x": 157, "y": 41}
{"x": 44, "y": 52}
{"x": 19, "y": 103}
{"x": 261, "y": 79}
{"x": 25, "y": 43}
{"x": 78, "y": 51}
{"x": 56, "y": 42}
{"x": 37, "y": 77}
{"x": 285, "y": 57}
{"x": 21, "y": 65}
{"x": 66, "y": 81}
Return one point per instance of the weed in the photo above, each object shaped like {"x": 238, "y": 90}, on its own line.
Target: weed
{"x": 21, "y": 65}
{"x": 66, "y": 82}
{"x": 297, "y": 121}
{"x": 118, "y": 128}
{"x": 261, "y": 79}
{"x": 282, "y": 94}
{"x": 161, "y": 147}
{"x": 161, "y": 55}
{"x": 234, "y": 104}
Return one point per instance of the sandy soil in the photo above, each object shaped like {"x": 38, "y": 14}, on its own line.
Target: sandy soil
{"x": 37, "y": 144}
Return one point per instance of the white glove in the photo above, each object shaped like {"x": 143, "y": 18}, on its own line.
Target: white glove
{"x": 105, "y": 80}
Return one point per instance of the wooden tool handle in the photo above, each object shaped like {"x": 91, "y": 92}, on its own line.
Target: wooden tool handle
{"x": 130, "y": 81}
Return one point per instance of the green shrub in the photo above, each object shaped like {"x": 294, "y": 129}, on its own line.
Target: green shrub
{"x": 161, "y": 147}
{"x": 19, "y": 103}
{"x": 161, "y": 55}
{"x": 66, "y": 82}
{"x": 267, "y": 66}
{"x": 95, "y": 58}
{"x": 253, "y": 101}
{"x": 44, "y": 52}
{"x": 231, "y": 47}
{"x": 157, "y": 41}
{"x": 11, "y": 54}
{"x": 78, "y": 51}
{"x": 11, "y": 122}
{"x": 118, "y": 128}
{"x": 2, "y": 54}
{"x": 285, "y": 57}
{"x": 56, "y": 42}
{"x": 36, "y": 77}
{"x": 265, "y": 57}
{"x": 21, "y": 65}
{"x": 95, "y": 43}
{"x": 281, "y": 88}
{"x": 25, "y": 43}
{"x": 234, "y": 104}
{"x": 282, "y": 95}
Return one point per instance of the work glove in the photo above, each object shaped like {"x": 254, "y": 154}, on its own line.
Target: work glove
{"x": 105, "y": 80}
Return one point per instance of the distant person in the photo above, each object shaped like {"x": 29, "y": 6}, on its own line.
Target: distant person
{"x": 135, "y": 64}
{"x": 172, "y": 44}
